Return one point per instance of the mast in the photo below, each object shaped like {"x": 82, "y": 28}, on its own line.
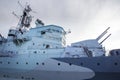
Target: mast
{"x": 23, "y": 24}
{"x": 26, "y": 18}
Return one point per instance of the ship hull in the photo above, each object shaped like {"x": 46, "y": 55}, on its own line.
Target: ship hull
{"x": 40, "y": 68}
{"x": 105, "y": 68}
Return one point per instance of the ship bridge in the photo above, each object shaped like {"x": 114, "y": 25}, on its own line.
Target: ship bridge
{"x": 51, "y": 36}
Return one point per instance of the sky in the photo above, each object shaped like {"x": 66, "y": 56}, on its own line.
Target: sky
{"x": 86, "y": 19}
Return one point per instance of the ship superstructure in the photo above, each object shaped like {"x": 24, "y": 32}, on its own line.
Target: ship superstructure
{"x": 40, "y": 53}
{"x": 27, "y": 39}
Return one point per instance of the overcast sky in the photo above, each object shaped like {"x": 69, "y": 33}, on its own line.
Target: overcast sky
{"x": 85, "y": 18}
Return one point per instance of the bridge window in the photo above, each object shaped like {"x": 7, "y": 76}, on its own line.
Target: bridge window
{"x": 42, "y": 32}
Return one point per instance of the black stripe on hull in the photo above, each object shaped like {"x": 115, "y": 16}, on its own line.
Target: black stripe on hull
{"x": 106, "y": 76}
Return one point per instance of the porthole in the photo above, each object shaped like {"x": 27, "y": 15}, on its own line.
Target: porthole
{"x": 70, "y": 64}
{"x": 81, "y": 64}
{"x": 17, "y": 63}
{"x": 47, "y": 46}
{"x": 98, "y": 64}
{"x": 33, "y": 78}
{"x": 43, "y": 63}
{"x": 37, "y": 63}
{"x": 26, "y": 62}
{"x": 0, "y": 62}
{"x": 22, "y": 77}
{"x": 43, "y": 51}
{"x": 58, "y": 64}
{"x": 115, "y": 63}
{"x": 33, "y": 43}
{"x": 35, "y": 52}
{"x": 4, "y": 75}
{"x": 8, "y": 62}
{"x": 117, "y": 53}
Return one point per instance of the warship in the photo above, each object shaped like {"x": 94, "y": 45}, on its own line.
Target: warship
{"x": 40, "y": 53}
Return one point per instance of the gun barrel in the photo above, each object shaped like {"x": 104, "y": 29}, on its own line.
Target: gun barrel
{"x": 105, "y": 38}
{"x": 107, "y": 28}
{"x": 101, "y": 35}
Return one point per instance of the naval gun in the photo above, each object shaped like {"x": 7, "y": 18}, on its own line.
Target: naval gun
{"x": 102, "y": 35}
{"x": 91, "y": 47}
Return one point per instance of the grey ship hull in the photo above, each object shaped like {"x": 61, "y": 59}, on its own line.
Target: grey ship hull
{"x": 105, "y": 68}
